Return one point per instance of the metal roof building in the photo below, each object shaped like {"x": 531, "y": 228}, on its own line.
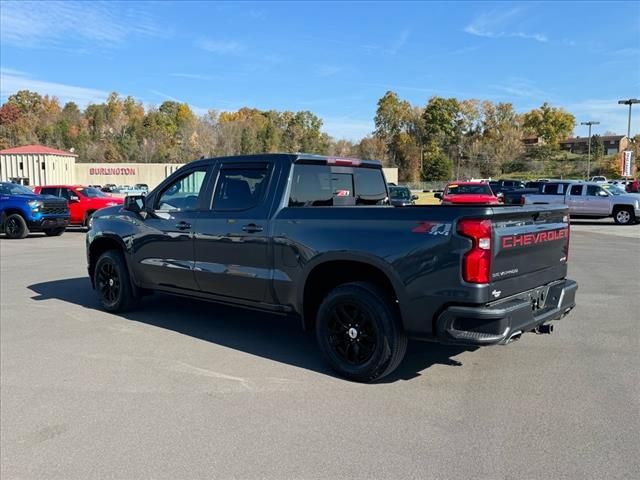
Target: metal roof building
{"x": 37, "y": 165}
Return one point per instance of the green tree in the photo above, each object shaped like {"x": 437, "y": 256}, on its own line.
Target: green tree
{"x": 437, "y": 166}
{"x": 549, "y": 123}
{"x": 391, "y": 120}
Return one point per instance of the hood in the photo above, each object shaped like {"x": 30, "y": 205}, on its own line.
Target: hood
{"x": 105, "y": 212}
{"x": 106, "y": 202}
{"x": 35, "y": 196}
{"x": 470, "y": 199}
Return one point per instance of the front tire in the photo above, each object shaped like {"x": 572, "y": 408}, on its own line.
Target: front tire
{"x": 54, "y": 232}
{"x": 624, "y": 216}
{"x": 359, "y": 332}
{"x": 15, "y": 227}
{"x": 112, "y": 282}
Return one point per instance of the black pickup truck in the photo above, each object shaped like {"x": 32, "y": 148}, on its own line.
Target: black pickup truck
{"x": 315, "y": 237}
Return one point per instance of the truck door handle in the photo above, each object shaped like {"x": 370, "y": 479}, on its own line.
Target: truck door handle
{"x": 252, "y": 228}
{"x": 183, "y": 226}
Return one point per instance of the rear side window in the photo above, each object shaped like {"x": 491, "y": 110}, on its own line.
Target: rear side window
{"x": 553, "y": 189}
{"x": 576, "y": 190}
{"x": 322, "y": 186}
{"x": 240, "y": 188}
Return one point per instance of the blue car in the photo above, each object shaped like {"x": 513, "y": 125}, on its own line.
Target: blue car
{"x": 22, "y": 211}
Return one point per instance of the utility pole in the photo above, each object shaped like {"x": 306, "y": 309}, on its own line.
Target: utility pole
{"x": 590, "y": 122}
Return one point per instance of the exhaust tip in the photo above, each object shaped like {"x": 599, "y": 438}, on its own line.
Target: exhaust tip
{"x": 544, "y": 329}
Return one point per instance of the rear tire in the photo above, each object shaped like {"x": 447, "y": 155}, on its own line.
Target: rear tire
{"x": 359, "y": 332}
{"x": 624, "y": 216}
{"x": 54, "y": 232}
{"x": 112, "y": 282}
{"x": 15, "y": 227}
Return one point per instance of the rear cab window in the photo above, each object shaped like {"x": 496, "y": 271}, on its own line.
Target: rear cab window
{"x": 315, "y": 185}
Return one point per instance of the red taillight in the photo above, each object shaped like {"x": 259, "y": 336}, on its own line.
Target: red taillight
{"x": 476, "y": 264}
{"x": 344, "y": 162}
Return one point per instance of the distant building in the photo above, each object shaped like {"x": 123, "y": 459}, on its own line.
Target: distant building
{"x": 531, "y": 141}
{"x": 613, "y": 144}
{"x": 37, "y": 165}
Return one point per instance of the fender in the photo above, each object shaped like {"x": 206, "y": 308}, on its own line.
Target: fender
{"x": 351, "y": 256}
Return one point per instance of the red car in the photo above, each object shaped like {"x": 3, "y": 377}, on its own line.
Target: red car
{"x": 83, "y": 201}
{"x": 457, "y": 193}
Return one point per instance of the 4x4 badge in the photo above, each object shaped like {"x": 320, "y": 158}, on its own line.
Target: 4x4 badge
{"x": 496, "y": 293}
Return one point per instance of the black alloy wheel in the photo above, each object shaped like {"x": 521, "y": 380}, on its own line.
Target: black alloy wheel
{"x": 109, "y": 283}
{"x": 352, "y": 333}
{"x": 359, "y": 331}
{"x": 15, "y": 227}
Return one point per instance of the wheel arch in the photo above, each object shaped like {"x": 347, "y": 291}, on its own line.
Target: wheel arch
{"x": 332, "y": 269}
{"x": 100, "y": 245}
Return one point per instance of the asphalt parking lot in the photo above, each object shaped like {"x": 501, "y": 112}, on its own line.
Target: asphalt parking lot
{"x": 183, "y": 389}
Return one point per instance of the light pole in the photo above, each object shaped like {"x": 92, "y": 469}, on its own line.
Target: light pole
{"x": 629, "y": 101}
{"x": 590, "y": 122}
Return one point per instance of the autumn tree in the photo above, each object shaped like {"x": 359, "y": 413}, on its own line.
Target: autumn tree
{"x": 549, "y": 123}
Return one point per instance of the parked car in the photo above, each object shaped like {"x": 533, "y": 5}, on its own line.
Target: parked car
{"x": 501, "y": 186}
{"x": 128, "y": 190}
{"x": 98, "y": 187}
{"x": 401, "y": 196}
{"x": 467, "y": 192}
{"x": 23, "y": 211}
{"x": 260, "y": 231}
{"x": 143, "y": 187}
{"x": 598, "y": 179}
{"x": 83, "y": 201}
{"x": 633, "y": 186}
{"x": 107, "y": 188}
{"x": 589, "y": 200}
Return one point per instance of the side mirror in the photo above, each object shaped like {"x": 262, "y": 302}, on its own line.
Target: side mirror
{"x": 135, "y": 203}
{"x": 438, "y": 195}
{"x": 74, "y": 199}
{"x": 414, "y": 197}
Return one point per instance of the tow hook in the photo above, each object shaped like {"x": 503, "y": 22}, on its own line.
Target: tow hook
{"x": 545, "y": 328}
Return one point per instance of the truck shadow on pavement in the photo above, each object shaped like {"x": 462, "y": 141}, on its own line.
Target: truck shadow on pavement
{"x": 274, "y": 337}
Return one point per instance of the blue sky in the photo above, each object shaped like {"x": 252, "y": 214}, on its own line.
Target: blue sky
{"x": 335, "y": 59}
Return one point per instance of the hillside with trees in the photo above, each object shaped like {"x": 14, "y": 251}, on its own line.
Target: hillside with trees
{"x": 446, "y": 138}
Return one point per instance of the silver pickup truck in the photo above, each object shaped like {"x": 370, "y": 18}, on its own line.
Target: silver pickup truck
{"x": 588, "y": 200}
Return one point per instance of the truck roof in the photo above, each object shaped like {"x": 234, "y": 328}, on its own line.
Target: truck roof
{"x": 293, "y": 158}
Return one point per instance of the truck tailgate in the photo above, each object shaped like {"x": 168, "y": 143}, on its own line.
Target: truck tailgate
{"x": 530, "y": 248}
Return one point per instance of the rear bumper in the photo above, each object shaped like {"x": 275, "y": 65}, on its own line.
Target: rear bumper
{"x": 496, "y": 323}
{"x": 45, "y": 223}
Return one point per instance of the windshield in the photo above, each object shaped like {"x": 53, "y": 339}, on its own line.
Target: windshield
{"x": 614, "y": 190}
{"x": 91, "y": 192}
{"x": 14, "y": 189}
{"x": 399, "y": 193}
{"x": 482, "y": 189}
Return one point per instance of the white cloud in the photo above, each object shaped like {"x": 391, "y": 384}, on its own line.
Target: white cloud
{"x": 220, "y": 47}
{"x": 399, "y": 43}
{"x": 347, "y": 127}
{"x": 498, "y": 25}
{"x": 612, "y": 117}
{"x": 191, "y": 76}
{"x": 327, "y": 70}
{"x": 11, "y": 81}
{"x": 53, "y": 23}
{"x": 521, "y": 87}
